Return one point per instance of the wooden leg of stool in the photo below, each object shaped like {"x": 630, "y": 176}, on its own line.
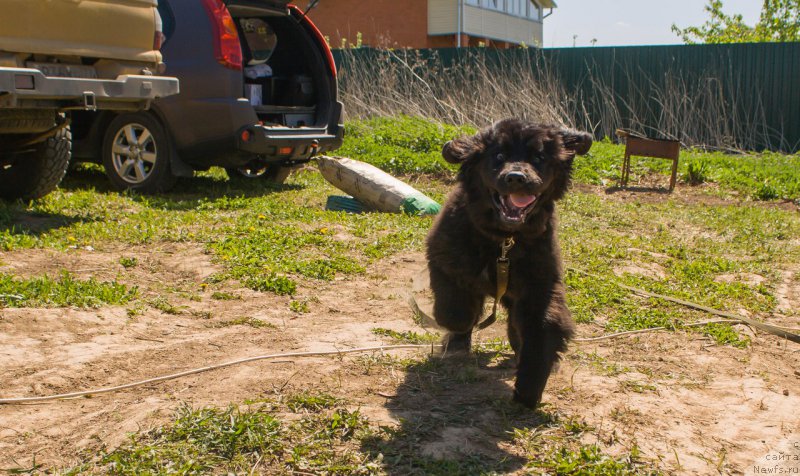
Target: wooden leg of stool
{"x": 673, "y": 178}
{"x": 626, "y": 168}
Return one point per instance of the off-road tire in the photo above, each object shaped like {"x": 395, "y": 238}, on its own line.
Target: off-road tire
{"x": 26, "y": 121}
{"x": 156, "y": 156}
{"x": 36, "y": 173}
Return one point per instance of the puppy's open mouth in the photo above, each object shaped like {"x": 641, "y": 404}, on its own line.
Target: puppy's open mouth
{"x": 514, "y": 207}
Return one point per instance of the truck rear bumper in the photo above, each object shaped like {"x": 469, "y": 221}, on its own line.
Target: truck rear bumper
{"x": 30, "y": 88}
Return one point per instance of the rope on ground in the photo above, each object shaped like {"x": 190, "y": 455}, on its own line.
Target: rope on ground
{"x": 64, "y": 396}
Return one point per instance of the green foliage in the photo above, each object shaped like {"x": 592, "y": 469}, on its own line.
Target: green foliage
{"x": 724, "y": 334}
{"x": 310, "y": 402}
{"x": 128, "y": 262}
{"x": 65, "y": 290}
{"x": 199, "y": 441}
{"x": 588, "y": 460}
{"x": 408, "y": 337}
{"x": 300, "y": 307}
{"x": 779, "y": 21}
{"x": 696, "y": 172}
{"x": 250, "y": 321}
{"x": 402, "y": 144}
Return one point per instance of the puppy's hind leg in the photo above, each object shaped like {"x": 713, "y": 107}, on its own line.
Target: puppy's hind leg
{"x": 457, "y": 309}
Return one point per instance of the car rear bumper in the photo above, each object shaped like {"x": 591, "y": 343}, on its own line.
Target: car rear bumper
{"x": 278, "y": 143}
{"x": 30, "y": 88}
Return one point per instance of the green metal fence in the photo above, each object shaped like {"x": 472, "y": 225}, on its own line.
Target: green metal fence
{"x": 754, "y": 87}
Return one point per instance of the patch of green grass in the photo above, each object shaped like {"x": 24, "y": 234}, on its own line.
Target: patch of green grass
{"x": 403, "y": 144}
{"x": 588, "y": 459}
{"x": 684, "y": 248}
{"x": 162, "y": 304}
{"x": 240, "y": 440}
{"x": 225, "y": 296}
{"x": 408, "y": 337}
{"x": 637, "y": 387}
{"x": 311, "y": 402}
{"x": 761, "y": 176}
{"x": 246, "y": 321}
{"x": 725, "y": 334}
{"x": 272, "y": 282}
{"x": 300, "y": 307}
{"x": 65, "y": 290}
{"x": 198, "y": 442}
{"x": 128, "y": 262}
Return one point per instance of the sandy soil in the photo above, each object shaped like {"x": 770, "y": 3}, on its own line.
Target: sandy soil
{"x": 691, "y": 406}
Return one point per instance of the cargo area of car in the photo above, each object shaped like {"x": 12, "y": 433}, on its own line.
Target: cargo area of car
{"x": 284, "y": 74}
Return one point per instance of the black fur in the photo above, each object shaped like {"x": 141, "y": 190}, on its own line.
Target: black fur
{"x": 502, "y": 167}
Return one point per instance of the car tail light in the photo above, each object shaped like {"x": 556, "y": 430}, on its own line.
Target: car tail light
{"x": 318, "y": 36}
{"x": 227, "y": 48}
{"x": 158, "y": 40}
{"x": 158, "y": 36}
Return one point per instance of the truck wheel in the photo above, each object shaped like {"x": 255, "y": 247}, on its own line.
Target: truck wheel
{"x": 36, "y": 173}
{"x": 270, "y": 172}
{"x": 136, "y": 154}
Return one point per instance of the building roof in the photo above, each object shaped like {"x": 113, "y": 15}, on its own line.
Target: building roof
{"x": 547, "y": 3}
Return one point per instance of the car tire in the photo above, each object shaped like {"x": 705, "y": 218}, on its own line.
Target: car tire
{"x": 137, "y": 152}
{"x": 270, "y": 172}
{"x": 35, "y": 173}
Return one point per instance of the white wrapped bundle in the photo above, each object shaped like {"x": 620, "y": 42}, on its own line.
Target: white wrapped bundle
{"x": 375, "y": 188}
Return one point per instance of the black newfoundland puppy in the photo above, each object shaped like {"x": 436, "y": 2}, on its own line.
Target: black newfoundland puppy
{"x": 511, "y": 175}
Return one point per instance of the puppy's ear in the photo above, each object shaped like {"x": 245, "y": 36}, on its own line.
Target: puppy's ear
{"x": 576, "y": 141}
{"x": 457, "y": 151}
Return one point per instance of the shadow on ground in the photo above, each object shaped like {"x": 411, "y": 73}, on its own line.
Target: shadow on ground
{"x": 457, "y": 418}
{"x": 189, "y": 193}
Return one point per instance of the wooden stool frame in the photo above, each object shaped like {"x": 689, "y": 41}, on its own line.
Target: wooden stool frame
{"x": 645, "y": 147}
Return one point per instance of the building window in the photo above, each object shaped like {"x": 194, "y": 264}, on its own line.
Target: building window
{"x": 534, "y": 11}
{"x": 492, "y": 4}
{"x": 518, "y": 8}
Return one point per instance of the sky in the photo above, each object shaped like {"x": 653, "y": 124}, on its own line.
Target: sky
{"x": 632, "y": 22}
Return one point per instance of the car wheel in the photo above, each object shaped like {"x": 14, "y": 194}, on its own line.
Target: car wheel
{"x": 269, "y": 172}
{"x": 36, "y": 172}
{"x": 136, "y": 154}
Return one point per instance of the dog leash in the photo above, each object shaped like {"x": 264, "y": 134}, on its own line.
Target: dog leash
{"x": 502, "y": 267}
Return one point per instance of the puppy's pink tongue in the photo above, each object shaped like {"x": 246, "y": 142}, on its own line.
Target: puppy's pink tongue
{"x": 521, "y": 201}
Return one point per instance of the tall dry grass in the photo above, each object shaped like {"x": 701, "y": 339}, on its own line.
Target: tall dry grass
{"x": 478, "y": 89}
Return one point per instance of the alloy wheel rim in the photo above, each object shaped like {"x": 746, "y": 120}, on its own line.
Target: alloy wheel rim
{"x": 133, "y": 153}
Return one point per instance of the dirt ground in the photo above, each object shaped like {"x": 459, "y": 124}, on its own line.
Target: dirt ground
{"x": 691, "y": 406}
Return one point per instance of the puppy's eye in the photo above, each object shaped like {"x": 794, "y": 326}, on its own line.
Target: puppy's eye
{"x": 500, "y": 157}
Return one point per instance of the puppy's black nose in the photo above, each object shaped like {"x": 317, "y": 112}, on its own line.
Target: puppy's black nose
{"x": 512, "y": 178}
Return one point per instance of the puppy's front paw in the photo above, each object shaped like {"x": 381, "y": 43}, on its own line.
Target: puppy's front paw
{"x": 457, "y": 343}
{"x": 530, "y": 401}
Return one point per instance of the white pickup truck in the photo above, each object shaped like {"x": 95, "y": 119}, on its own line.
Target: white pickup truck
{"x": 57, "y": 56}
